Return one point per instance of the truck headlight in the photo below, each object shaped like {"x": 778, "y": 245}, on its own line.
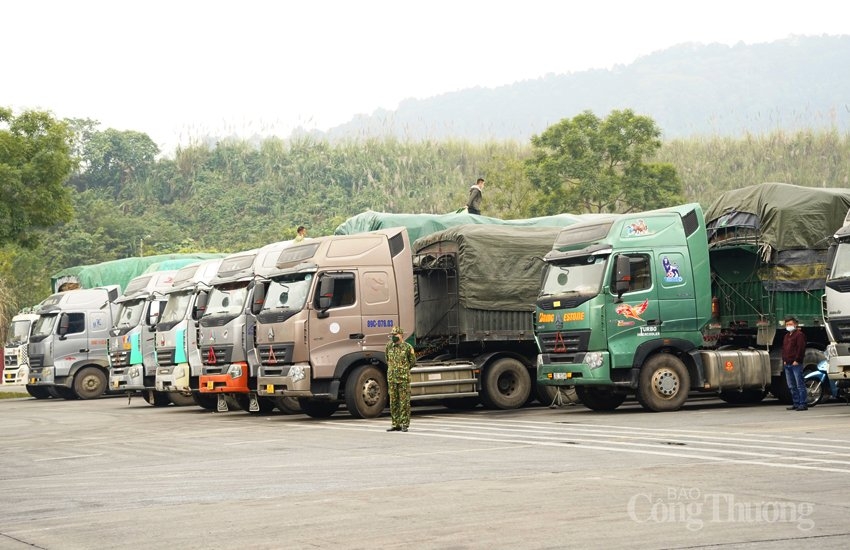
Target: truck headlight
{"x": 133, "y": 372}
{"x": 235, "y": 370}
{"x": 47, "y": 374}
{"x": 296, "y": 372}
{"x": 593, "y": 359}
{"x": 831, "y": 351}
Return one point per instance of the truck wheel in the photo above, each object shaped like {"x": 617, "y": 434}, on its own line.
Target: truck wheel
{"x": 366, "y": 392}
{"x": 181, "y": 400}
{"x": 89, "y": 383}
{"x": 779, "y": 388}
{"x": 39, "y": 392}
{"x": 207, "y": 401}
{"x": 546, "y": 395}
{"x": 506, "y": 384}
{"x": 811, "y": 359}
{"x": 815, "y": 391}
{"x": 65, "y": 393}
{"x": 599, "y": 398}
{"x": 288, "y": 405}
{"x": 743, "y": 397}
{"x": 54, "y": 393}
{"x": 663, "y": 384}
{"x": 317, "y": 409}
{"x": 156, "y": 398}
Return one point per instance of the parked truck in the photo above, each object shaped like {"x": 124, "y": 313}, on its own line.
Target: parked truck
{"x": 227, "y": 330}
{"x": 15, "y": 358}
{"x": 836, "y": 305}
{"x": 67, "y": 348}
{"x": 465, "y": 294}
{"x": 132, "y": 353}
{"x": 659, "y": 304}
{"x": 177, "y": 352}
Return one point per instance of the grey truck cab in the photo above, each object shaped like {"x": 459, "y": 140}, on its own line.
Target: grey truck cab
{"x": 67, "y": 348}
{"x": 132, "y": 357}
{"x": 16, "y": 363}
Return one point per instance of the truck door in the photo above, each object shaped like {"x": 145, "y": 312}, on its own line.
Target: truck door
{"x": 676, "y": 293}
{"x": 636, "y": 318}
{"x": 98, "y": 326}
{"x": 335, "y": 324}
{"x": 379, "y": 306}
{"x": 72, "y": 342}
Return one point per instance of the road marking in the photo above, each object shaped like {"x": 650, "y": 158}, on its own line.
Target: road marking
{"x": 66, "y": 457}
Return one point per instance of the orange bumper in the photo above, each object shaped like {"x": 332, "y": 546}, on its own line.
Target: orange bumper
{"x": 224, "y": 383}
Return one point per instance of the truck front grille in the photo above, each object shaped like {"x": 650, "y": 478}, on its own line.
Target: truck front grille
{"x": 841, "y": 329}
{"x": 273, "y": 355}
{"x": 216, "y": 355}
{"x": 164, "y": 357}
{"x": 565, "y": 342}
{"x": 119, "y": 359}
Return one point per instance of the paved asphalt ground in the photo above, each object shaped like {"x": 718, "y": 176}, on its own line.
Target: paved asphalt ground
{"x": 105, "y": 474}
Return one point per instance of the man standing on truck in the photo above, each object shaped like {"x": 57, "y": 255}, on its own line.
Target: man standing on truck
{"x": 473, "y": 203}
{"x": 793, "y": 352}
{"x": 400, "y": 359}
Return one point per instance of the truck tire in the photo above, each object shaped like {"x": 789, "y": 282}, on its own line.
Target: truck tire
{"x": 207, "y": 401}
{"x": 89, "y": 383}
{"x": 743, "y": 397}
{"x": 54, "y": 393}
{"x": 181, "y": 400}
{"x": 39, "y": 392}
{"x": 366, "y": 392}
{"x": 546, "y": 395}
{"x": 156, "y": 398}
{"x": 506, "y": 384}
{"x": 65, "y": 393}
{"x": 663, "y": 384}
{"x": 287, "y": 405}
{"x": 599, "y": 398}
{"x": 315, "y": 408}
{"x": 811, "y": 359}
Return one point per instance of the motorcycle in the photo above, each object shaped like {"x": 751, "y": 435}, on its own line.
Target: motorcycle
{"x": 819, "y": 387}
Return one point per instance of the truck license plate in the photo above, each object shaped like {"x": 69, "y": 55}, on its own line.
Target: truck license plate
{"x": 210, "y": 385}
{"x": 269, "y": 388}
{"x": 32, "y": 381}
{"x": 560, "y": 376}
{"x": 115, "y": 383}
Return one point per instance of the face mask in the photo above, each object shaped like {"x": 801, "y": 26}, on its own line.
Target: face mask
{"x": 396, "y": 339}
{"x": 790, "y": 328}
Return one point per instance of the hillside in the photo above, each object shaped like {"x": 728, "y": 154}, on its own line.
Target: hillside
{"x": 689, "y": 89}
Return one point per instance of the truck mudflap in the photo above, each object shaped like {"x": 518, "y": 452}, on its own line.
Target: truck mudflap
{"x": 127, "y": 378}
{"x": 290, "y": 381}
{"x": 439, "y": 380}
{"x": 735, "y": 369}
{"x": 173, "y": 378}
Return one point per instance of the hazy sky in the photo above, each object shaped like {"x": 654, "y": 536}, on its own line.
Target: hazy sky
{"x": 180, "y": 69}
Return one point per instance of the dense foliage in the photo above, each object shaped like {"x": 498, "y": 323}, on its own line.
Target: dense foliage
{"x": 234, "y": 195}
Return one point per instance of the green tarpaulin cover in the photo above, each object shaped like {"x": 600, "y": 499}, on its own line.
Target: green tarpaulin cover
{"x": 788, "y": 216}
{"x": 419, "y": 225}
{"x": 119, "y": 272}
{"x": 499, "y": 267}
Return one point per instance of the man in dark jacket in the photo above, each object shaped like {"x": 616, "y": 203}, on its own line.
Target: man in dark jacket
{"x": 793, "y": 352}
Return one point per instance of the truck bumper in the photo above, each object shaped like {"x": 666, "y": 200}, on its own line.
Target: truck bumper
{"x": 291, "y": 381}
{"x": 127, "y": 378}
{"x": 16, "y": 375}
{"x": 173, "y": 379}
{"x": 839, "y": 361}
{"x": 225, "y": 383}
{"x": 46, "y": 376}
{"x": 594, "y": 369}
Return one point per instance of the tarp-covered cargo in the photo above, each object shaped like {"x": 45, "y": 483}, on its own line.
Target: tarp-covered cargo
{"x": 420, "y": 225}
{"x": 499, "y": 267}
{"x": 119, "y": 272}
{"x": 787, "y": 226}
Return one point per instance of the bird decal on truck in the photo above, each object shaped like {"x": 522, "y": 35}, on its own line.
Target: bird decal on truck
{"x": 632, "y": 312}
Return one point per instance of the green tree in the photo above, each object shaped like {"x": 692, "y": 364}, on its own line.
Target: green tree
{"x": 35, "y": 161}
{"x": 588, "y": 164}
{"x": 111, "y": 159}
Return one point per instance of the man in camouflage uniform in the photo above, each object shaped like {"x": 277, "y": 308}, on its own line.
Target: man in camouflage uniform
{"x": 400, "y": 359}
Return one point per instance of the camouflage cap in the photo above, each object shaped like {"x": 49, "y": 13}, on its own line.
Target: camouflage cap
{"x": 397, "y": 330}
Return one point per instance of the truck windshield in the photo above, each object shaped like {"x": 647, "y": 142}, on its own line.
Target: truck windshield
{"x": 576, "y": 275}
{"x": 130, "y": 314}
{"x": 288, "y": 292}
{"x": 841, "y": 265}
{"x": 19, "y": 333}
{"x": 44, "y": 325}
{"x": 175, "y": 308}
{"x": 227, "y": 299}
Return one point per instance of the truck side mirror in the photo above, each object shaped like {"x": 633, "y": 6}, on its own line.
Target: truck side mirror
{"x": 154, "y": 311}
{"x": 623, "y": 276}
{"x": 259, "y": 298}
{"x": 200, "y": 305}
{"x": 64, "y": 324}
{"x": 830, "y": 256}
{"x": 326, "y": 292}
